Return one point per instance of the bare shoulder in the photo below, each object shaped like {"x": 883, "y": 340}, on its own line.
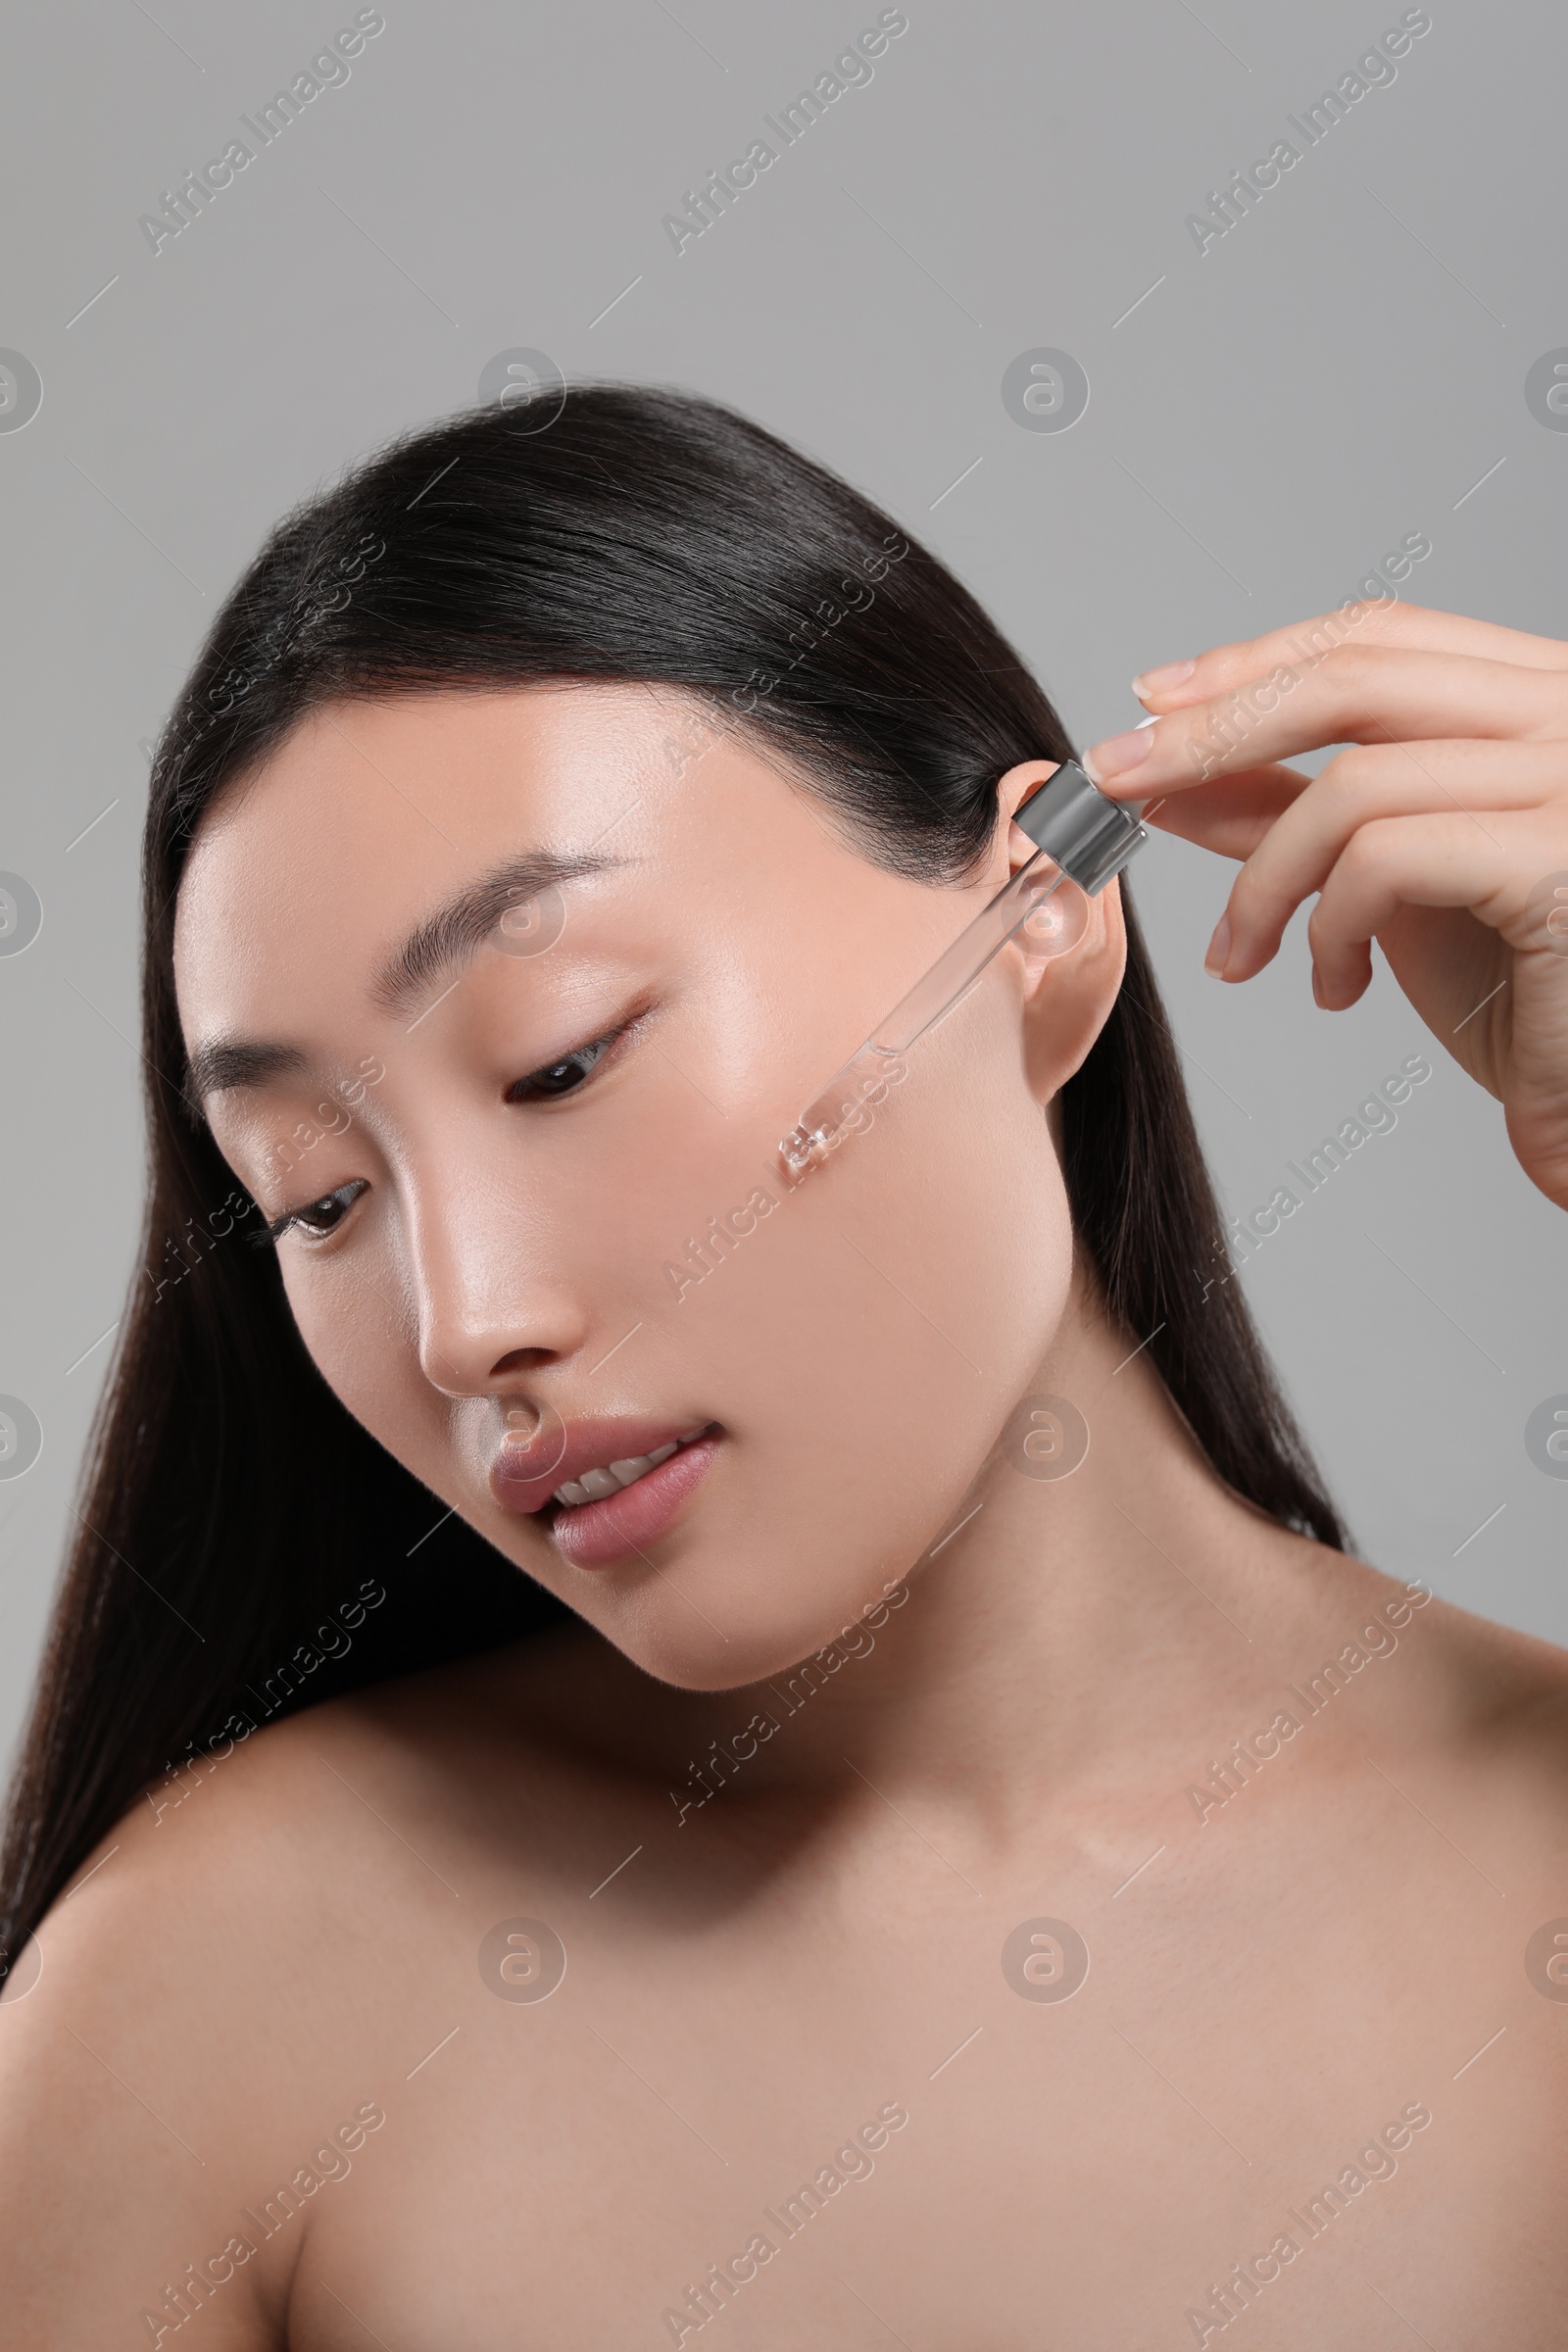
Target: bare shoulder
{"x": 1437, "y": 1682}
{"x": 1510, "y": 1688}
{"x": 266, "y": 1853}
{"x": 1516, "y": 1690}
{"x": 120, "y": 2066}
{"x": 203, "y": 2015}
{"x": 1473, "y": 1695}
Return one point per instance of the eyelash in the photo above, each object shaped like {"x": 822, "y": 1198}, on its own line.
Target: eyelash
{"x": 271, "y": 1235}
{"x": 588, "y": 1056}
{"x": 583, "y": 1058}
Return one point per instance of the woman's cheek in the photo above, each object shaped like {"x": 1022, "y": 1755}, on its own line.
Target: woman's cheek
{"x": 907, "y": 1285}
{"x": 365, "y": 1355}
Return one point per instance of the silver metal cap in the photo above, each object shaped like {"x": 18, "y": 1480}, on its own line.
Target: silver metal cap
{"x": 1089, "y": 837}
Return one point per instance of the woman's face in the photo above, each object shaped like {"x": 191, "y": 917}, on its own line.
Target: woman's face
{"x": 515, "y": 994}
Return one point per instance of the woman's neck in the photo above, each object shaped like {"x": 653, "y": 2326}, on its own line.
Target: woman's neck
{"x": 1067, "y": 1643}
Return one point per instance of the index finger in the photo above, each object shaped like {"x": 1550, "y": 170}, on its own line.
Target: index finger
{"x": 1411, "y": 628}
{"x": 1347, "y": 694}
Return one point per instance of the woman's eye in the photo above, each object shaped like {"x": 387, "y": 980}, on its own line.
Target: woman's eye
{"x": 317, "y": 1217}
{"x": 562, "y": 1077}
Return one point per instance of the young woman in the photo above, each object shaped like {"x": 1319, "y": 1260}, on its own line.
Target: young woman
{"x": 638, "y": 1745}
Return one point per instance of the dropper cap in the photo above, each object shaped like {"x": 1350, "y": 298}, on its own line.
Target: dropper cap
{"x": 1089, "y": 837}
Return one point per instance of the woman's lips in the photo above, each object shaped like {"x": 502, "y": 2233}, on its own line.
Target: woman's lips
{"x": 525, "y": 1478}
{"x": 594, "y": 1534}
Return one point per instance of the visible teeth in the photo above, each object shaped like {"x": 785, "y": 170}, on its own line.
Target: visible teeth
{"x": 595, "y": 1485}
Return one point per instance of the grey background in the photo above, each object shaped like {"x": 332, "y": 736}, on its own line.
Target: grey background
{"x": 1342, "y": 369}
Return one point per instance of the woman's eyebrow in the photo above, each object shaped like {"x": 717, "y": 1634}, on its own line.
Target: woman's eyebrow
{"x": 457, "y": 929}
{"x": 234, "y": 1061}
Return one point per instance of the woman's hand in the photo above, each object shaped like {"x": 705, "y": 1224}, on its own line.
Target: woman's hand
{"x": 1441, "y": 831}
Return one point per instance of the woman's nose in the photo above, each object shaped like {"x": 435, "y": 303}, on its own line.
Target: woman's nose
{"x": 487, "y": 1304}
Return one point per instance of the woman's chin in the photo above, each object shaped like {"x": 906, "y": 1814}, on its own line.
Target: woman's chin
{"x": 704, "y": 1644}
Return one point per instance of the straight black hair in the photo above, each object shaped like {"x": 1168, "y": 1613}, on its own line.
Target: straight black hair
{"x": 243, "y": 1547}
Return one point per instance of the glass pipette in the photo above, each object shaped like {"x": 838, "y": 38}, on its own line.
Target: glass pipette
{"x": 1081, "y": 838}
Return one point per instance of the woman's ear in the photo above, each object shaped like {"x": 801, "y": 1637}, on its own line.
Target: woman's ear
{"x": 1019, "y": 785}
{"x": 1065, "y": 997}
{"x": 1068, "y": 997}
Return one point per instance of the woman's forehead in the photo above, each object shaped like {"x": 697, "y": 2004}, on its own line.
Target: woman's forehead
{"x": 374, "y": 817}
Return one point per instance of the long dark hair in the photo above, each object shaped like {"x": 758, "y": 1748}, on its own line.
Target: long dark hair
{"x": 243, "y": 1547}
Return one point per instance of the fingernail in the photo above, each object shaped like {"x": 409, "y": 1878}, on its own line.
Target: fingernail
{"x": 1219, "y": 949}
{"x": 1317, "y": 986}
{"x": 1117, "y": 755}
{"x": 1161, "y": 681}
